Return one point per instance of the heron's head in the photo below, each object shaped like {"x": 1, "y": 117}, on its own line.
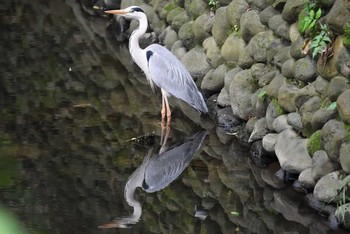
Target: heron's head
{"x": 132, "y": 12}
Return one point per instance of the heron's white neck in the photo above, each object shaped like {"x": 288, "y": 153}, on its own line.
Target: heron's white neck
{"x": 136, "y": 52}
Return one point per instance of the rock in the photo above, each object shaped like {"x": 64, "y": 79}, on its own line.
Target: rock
{"x": 259, "y": 104}
{"x": 215, "y": 82}
{"x": 170, "y": 38}
{"x": 274, "y": 86}
{"x": 196, "y": 7}
{"x": 306, "y": 111}
{"x": 280, "y": 124}
{"x": 186, "y": 35}
{"x": 287, "y": 68}
{"x": 212, "y": 52}
{"x": 179, "y": 20}
{"x": 269, "y": 142}
{"x": 294, "y": 119}
{"x": 292, "y": 9}
{"x": 231, "y": 49}
{"x": 235, "y": 10}
{"x": 338, "y": 63}
{"x": 178, "y": 49}
{"x": 202, "y": 27}
{"x": 259, "y": 131}
{"x": 221, "y": 26}
{"x": 269, "y": 176}
{"x": 338, "y": 16}
{"x": 259, "y": 155}
{"x": 297, "y": 47}
{"x": 258, "y": 44}
{"x": 223, "y": 98}
{"x": 245, "y": 61}
{"x": 337, "y": 86}
{"x": 264, "y": 73}
{"x": 266, "y": 14}
{"x": 305, "y": 69}
{"x": 262, "y": 4}
{"x": 173, "y": 13}
{"x": 278, "y": 4}
{"x": 322, "y": 116}
{"x": 282, "y": 56}
{"x": 287, "y": 95}
{"x": 333, "y": 135}
{"x": 241, "y": 89}
{"x": 293, "y": 32}
{"x": 326, "y": 189}
{"x": 344, "y": 156}
{"x": 306, "y": 179}
{"x": 273, "y": 48}
{"x": 250, "y": 25}
{"x": 196, "y": 63}
{"x": 291, "y": 151}
{"x": 272, "y": 112}
{"x": 319, "y": 206}
{"x": 322, "y": 165}
{"x": 343, "y": 106}
{"x": 279, "y": 26}
{"x": 228, "y": 121}
{"x": 229, "y": 77}
{"x": 321, "y": 85}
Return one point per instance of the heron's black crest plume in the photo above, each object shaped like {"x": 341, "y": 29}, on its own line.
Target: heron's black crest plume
{"x": 138, "y": 9}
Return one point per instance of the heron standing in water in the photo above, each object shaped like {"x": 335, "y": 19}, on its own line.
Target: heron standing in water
{"x": 161, "y": 67}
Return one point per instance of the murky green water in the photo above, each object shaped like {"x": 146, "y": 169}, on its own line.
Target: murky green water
{"x": 72, "y": 102}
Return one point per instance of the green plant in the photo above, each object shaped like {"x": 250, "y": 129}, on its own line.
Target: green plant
{"x": 332, "y": 106}
{"x": 213, "y": 4}
{"x": 314, "y": 143}
{"x": 312, "y": 15}
{"x": 346, "y": 40}
{"x": 320, "y": 42}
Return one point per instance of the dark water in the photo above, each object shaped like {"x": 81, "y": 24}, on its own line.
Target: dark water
{"x": 72, "y": 102}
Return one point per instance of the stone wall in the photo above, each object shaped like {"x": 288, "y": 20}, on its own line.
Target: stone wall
{"x": 251, "y": 54}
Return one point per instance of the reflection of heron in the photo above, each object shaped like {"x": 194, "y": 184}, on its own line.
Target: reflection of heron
{"x": 155, "y": 173}
{"x": 161, "y": 66}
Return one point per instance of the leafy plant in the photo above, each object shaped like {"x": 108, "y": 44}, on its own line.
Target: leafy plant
{"x": 213, "y": 4}
{"x": 332, "y": 106}
{"x": 320, "y": 41}
{"x": 312, "y": 15}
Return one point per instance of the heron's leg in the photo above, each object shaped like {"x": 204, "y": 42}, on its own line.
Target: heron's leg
{"x": 168, "y": 111}
{"x": 164, "y": 138}
{"x": 163, "y": 111}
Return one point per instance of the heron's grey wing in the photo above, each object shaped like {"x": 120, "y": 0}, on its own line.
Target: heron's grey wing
{"x": 164, "y": 168}
{"x": 171, "y": 75}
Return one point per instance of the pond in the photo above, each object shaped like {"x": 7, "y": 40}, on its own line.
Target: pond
{"x": 79, "y": 122}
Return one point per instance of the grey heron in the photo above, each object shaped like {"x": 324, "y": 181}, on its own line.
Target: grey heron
{"x": 161, "y": 67}
{"x": 155, "y": 173}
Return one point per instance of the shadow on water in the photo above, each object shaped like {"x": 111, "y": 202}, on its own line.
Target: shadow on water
{"x": 78, "y": 118}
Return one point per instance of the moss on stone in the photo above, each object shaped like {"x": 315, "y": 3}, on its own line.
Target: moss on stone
{"x": 346, "y": 39}
{"x": 279, "y": 109}
{"x": 314, "y": 143}
{"x": 347, "y": 128}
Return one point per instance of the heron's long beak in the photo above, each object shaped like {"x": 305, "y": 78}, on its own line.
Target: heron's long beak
{"x": 116, "y": 12}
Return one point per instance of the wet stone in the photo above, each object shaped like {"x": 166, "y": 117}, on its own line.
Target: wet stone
{"x": 259, "y": 155}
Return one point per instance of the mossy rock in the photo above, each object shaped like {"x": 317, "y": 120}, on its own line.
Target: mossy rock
{"x": 314, "y": 143}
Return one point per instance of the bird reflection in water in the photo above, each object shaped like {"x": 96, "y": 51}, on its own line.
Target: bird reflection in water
{"x": 155, "y": 173}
